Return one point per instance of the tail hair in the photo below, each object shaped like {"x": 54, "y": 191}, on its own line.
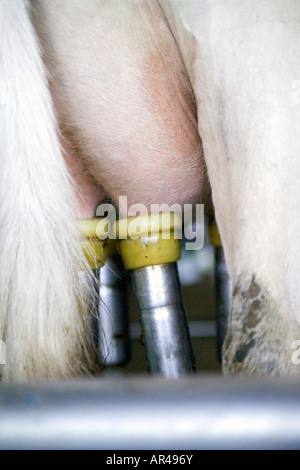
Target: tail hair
{"x": 44, "y": 321}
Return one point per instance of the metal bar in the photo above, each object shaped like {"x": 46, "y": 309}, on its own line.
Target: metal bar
{"x": 113, "y": 333}
{"x": 151, "y": 413}
{"x": 164, "y": 325}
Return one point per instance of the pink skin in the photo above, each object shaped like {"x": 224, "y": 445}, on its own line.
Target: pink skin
{"x": 124, "y": 102}
{"x": 89, "y": 193}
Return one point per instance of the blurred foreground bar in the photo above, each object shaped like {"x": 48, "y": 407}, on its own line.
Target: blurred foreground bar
{"x": 152, "y": 413}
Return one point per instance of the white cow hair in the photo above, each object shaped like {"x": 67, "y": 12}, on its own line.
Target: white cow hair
{"x": 43, "y": 317}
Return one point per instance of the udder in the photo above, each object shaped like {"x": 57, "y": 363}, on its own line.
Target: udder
{"x": 124, "y": 102}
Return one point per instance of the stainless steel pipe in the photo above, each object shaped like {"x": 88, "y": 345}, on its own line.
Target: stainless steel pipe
{"x": 150, "y": 247}
{"x": 113, "y": 329}
{"x": 151, "y": 413}
{"x": 164, "y": 325}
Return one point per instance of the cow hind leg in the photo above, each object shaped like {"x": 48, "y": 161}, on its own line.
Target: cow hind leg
{"x": 43, "y": 305}
{"x": 244, "y": 70}
{"x": 259, "y": 340}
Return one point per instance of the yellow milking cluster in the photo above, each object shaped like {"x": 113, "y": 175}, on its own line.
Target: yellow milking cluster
{"x": 92, "y": 245}
{"x": 145, "y": 240}
{"x": 150, "y": 246}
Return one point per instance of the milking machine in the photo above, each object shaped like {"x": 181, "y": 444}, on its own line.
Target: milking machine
{"x": 108, "y": 301}
{"x": 150, "y": 247}
{"x": 150, "y": 251}
{"x": 113, "y": 325}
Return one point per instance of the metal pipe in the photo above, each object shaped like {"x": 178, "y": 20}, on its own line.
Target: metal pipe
{"x": 164, "y": 326}
{"x": 150, "y": 247}
{"x": 113, "y": 330}
{"x": 151, "y": 413}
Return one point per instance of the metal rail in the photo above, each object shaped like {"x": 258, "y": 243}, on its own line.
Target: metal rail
{"x": 152, "y": 413}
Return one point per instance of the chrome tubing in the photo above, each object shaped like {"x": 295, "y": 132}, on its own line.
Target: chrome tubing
{"x": 113, "y": 328}
{"x": 152, "y": 413}
{"x": 164, "y": 326}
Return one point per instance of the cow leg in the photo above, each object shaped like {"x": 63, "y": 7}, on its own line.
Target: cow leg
{"x": 243, "y": 63}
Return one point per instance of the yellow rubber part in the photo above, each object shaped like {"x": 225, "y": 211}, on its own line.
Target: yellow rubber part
{"x": 95, "y": 252}
{"x": 149, "y": 252}
{"x": 149, "y": 240}
{"x": 214, "y": 235}
{"x": 93, "y": 228}
{"x": 94, "y": 248}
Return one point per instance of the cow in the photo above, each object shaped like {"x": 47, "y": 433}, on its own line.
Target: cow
{"x": 162, "y": 101}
